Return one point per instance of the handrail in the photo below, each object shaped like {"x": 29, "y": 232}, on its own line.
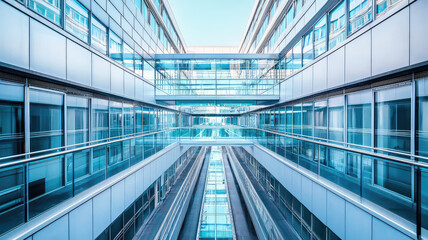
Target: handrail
{"x": 358, "y": 151}
{"x": 31, "y": 159}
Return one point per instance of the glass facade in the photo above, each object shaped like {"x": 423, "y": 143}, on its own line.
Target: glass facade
{"x": 77, "y": 120}
{"x": 47, "y": 124}
{"x": 77, "y": 20}
{"x": 98, "y": 35}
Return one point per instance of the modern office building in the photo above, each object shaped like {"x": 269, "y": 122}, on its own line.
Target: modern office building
{"x": 317, "y": 128}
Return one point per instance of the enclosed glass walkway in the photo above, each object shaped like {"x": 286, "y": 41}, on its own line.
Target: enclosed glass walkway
{"x": 216, "y": 220}
{"x": 187, "y": 77}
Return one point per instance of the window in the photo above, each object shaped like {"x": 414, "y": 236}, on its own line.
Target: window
{"x": 320, "y": 37}
{"x": 359, "y": 118}
{"x": 138, "y": 119}
{"x": 138, "y": 64}
{"x": 46, "y": 120}
{"x": 99, "y": 119}
{"x": 320, "y": 119}
{"x": 128, "y": 118}
{"x": 128, "y": 57}
{"x": 77, "y": 120}
{"x": 290, "y": 15}
{"x": 307, "y": 116}
{"x": 297, "y": 56}
{"x": 138, "y": 4}
{"x": 115, "y": 47}
{"x": 11, "y": 119}
{"x": 145, "y": 10}
{"x": 392, "y": 118}
{"x": 98, "y": 35}
{"x": 115, "y": 119}
{"x": 336, "y": 118}
{"x": 49, "y": 9}
{"x": 77, "y": 20}
{"x": 308, "y": 48}
{"x": 337, "y": 25}
{"x": 289, "y": 63}
{"x": 360, "y": 13}
{"x": 422, "y": 116}
{"x": 299, "y": 4}
{"x": 383, "y": 5}
{"x": 297, "y": 119}
{"x": 149, "y": 72}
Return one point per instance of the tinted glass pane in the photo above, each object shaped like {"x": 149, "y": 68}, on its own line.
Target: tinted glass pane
{"x": 77, "y": 120}
{"x": 11, "y": 119}
{"x": 77, "y": 20}
{"x": 115, "y": 119}
{"x": 392, "y": 118}
{"x": 46, "y": 123}
{"x": 49, "y": 9}
{"x": 337, "y": 25}
{"x": 128, "y": 57}
{"x": 320, "y": 37}
{"x": 115, "y": 47}
{"x": 308, "y": 48}
{"x": 422, "y": 116}
{"x": 128, "y": 118}
{"x": 360, "y": 13}
{"x": 99, "y": 35}
{"x": 359, "y": 118}
{"x": 336, "y": 118}
{"x": 99, "y": 119}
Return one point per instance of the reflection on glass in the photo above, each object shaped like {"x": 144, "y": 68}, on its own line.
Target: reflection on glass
{"x": 128, "y": 57}
{"x": 116, "y": 47}
{"x": 360, "y": 13}
{"x": 308, "y": 48}
{"x": 289, "y": 119}
{"x": 299, "y": 4}
{"x": 336, "y": 118}
{"x": 320, "y": 119}
{"x": 320, "y": 37}
{"x": 289, "y": 63}
{"x": 11, "y": 119}
{"x": 115, "y": 119}
{"x": 46, "y": 123}
{"x": 383, "y": 5}
{"x": 307, "y": 116}
{"x": 337, "y": 25}
{"x": 297, "y": 56}
{"x": 98, "y": 35}
{"x": 359, "y": 118}
{"x": 77, "y": 20}
{"x": 138, "y": 64}
{"x": 392, "y": 118}
{"x": 422, "y": 116}
{"x": 297, "y": 119}
{"x": 290, "y": 15}
{"x": 149, "y": 72}
{"x": 99, "y": 119}
{"x": 77, "y": 120}
{"x": 49, "y": 9}
{"x": 138, "y": 119}
{"x": 128, "y": 118}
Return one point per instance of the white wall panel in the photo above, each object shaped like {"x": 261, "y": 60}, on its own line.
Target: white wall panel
{"x": 336, "y": 68}
{"x": 382, "y": 230}
{"x": 14, "y": 49}
{"x": 81, "y": 222}
{"x": 296, "y": 184}
{"x": 47, "y": 50}
{"x": 56, "y": 230}
{"x": 307, "y": 192}
{"x": 139, "y": 182}
{"x": 297, "y": 85}
{"x": 320, "y": 75}
{"x": 336, "y": 214}
{"x": 116, "y": 80}
{"x": 102, "y": 213}
{"x": 418, "y": 32}
{"x": 129, "y": 85}
{"x": 319, "y": 202}
{"x": 358, "y": 223}
{"x": 117, "y": 199}
{"x": 358, "y": 58}
{"x": 129, "y": 190}
{"x": 78, "y": 64}
{"x": 139, "y": 90}
{"x": 100, "y": 73}
{"x": 307, "y": 81}
{"x": 390, "y": 41}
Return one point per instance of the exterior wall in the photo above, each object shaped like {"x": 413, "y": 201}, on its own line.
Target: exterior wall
{"x": 87, "y": 215}
{"x": 344, "y": 214}
{"x": 380, "y": 48}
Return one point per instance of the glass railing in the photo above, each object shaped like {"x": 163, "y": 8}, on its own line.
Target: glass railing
{"x": 35, "y": 183}
{"x": 31, "y": 184}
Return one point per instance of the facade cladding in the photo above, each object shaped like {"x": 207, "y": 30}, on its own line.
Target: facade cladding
{"x": 102, "y": 110}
